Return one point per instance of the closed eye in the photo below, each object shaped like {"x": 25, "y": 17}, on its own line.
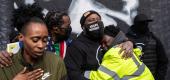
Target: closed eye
{"x": 35, "y": 39}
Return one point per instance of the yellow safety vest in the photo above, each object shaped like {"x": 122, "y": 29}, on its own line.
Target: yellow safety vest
{"x": 113, "y": 67}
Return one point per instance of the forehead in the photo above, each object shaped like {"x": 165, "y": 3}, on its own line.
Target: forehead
{"x": 66, "y": 19}
{"x": 36, "y": 29}
{"x": 93, "y": 16}
{"x": 107, "y": 37}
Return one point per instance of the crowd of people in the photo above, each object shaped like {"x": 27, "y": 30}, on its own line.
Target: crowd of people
{"x": 99, "y": 52}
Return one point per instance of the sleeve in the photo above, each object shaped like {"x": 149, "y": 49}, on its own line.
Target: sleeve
{"x": 73, "y": 61}
{"x": 62, "y": 70}
{"x": 162, "y": 61}
{"x": 3, "y": 75}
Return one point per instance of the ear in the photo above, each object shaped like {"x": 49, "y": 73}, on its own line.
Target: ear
{"x": 21, "y": 37}
{"x": 84, "y": 31}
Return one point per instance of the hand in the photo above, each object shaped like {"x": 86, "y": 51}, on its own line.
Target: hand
{"x": 5, "y": 59}
{"x": 127, "y": 47}
{"x": 32, "y": 75}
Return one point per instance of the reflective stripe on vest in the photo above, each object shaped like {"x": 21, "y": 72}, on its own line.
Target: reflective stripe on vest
{"x": 87, "y": 74}
{"x": 136, "y": 73}
{"x": 115, "y": 76}
{"x": 109, "y": 72}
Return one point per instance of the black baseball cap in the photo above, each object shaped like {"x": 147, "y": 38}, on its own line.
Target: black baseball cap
{"x": 142, "y": 18}
{"x": 86, "y": 15}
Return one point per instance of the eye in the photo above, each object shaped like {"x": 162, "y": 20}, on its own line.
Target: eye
{"x": 35, "y": 39}
{"x": 90, "y": 20}
{"x": 45, "y": 39}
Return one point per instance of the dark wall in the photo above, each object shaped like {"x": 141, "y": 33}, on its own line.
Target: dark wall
{"x": 6, "y": 8}
{"x": 159, "y": 10}
{"x": 51, "y": 4}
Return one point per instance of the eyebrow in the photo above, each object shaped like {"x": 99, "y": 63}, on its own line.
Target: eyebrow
{"x": 38, "y": 37}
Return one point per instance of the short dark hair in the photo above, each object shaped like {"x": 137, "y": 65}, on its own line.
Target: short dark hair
{"x": 31, "y": 20}
{"x": 54, "y": 19}
{"x": 111, "y": 30}
{"x": 24, "y": 13}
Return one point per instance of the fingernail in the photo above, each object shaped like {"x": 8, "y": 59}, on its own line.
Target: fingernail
{"x": 41, "y": 74}
{"x": 39, "y": 69}
{"x": 42, "y": 71}
{"x": 7, "y": 65}
{"x": 2, "y": 66}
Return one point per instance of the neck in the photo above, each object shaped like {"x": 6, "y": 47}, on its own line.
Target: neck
{"x": 53, "y": 37}
{"x": 28, "y": 58}
{"x": 90, "y": 38}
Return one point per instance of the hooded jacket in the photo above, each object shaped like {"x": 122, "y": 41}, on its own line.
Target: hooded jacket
{"x": 154, "y": 54}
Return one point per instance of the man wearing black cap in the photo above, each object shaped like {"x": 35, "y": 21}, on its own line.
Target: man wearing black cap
{"x": 82, "y": 53}
{"x": 154, "y": 55}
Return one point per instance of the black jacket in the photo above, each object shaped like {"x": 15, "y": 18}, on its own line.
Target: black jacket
{"x": 154, "y": 54}
{"x": 81, "y": 56}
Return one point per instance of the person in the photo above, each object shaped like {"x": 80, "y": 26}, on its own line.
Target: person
{"x": 58, "y": 23}
{"x": 34, "y": 35}
{"x": 112, "y": 65}
{"x": 154, "y": 55}
{"x": 82, "y": 53}
{"x": 58, "y": 26}
{"x": 25, "y": 11}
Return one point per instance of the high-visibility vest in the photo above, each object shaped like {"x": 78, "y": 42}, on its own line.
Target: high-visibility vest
{"x": 113, "y": 67}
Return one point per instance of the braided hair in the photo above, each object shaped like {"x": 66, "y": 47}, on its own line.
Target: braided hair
{"x": 54, "y": 19}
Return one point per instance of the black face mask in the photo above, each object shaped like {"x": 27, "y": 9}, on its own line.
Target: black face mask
{"x": 64, "y": 37}
{"x": 94, "y": 30}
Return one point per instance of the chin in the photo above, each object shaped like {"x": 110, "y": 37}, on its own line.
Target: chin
{"x": 36, "y": 55}
{"x": 39, "y": 54}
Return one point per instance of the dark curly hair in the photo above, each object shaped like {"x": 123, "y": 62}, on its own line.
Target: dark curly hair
{"x": 24, "y": 13}
{"x": 54, "y": 19}
{"x": 111, "y": 30}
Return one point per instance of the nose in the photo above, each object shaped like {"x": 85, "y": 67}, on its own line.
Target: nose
{"x": 41, "y": 45}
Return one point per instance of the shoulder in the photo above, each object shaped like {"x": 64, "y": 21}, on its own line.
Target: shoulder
{"x": 77, "y": 43}
{"x": 114, "y": 49}
{"x": 79, "y": 39}
{"x": 52, "y": 60}
{"x": 51, "y": 56}
{"x": 112, "y": 53}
